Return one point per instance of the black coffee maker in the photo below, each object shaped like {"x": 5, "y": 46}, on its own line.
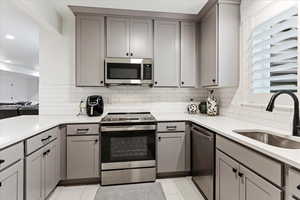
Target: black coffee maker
{"x": 94, "y": 106}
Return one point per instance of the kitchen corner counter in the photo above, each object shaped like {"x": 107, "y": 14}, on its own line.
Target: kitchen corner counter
{"x": 224, "y": 126}
{"x": 16, "y": 129}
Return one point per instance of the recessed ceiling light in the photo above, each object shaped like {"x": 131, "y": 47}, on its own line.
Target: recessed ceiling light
{"x": 9, "y": 37}
{"x": 7, "y": 61}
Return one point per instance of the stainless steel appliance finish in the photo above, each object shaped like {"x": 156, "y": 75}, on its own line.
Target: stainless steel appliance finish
{"x": 127, "y": 128}
{"x": 128, "y": 148}
{"x": 128, "y": 117}
{"x": 128, "y": 71}
{"x": 128, "y": 165}
{"x": 203, "y": 160}
{"x": 124, "y": 176}
{"x": 270, "y": 139}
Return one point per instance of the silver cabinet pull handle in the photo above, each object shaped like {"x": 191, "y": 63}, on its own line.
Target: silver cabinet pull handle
{"x": 82, "y": 130}
{"x": 47, "y": 138}
{"x": 171, "y": 127}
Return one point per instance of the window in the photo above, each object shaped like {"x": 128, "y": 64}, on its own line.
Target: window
{"x": 274, "y": 53}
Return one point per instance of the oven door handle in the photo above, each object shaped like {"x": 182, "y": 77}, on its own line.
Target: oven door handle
{"x": 127, "y": 128}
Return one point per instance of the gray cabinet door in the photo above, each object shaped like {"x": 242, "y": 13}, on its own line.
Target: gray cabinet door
{"x": 82, "y": 157}
{"x": 141, "y": 38}
{"x": 188, "y": 54}
{"x": 52, "y": 172}
{"x": 166, "y": 53}
{"x": 208, "y": 50}
{"x": 118, "y": 33}
{"x": 90, "y": 53}
{"x": 11, "y": 180}
{"x": 253, "y": 187}
{"x": 35, "y": 176}
{"x": 227, "y": 180}
{"x": 171, "y": 152}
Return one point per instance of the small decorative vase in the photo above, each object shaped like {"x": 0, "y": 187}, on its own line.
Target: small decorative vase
{"x": 192, "y": 107}
{"x": 212, "y": 105}
{"x": 203, "y": 107}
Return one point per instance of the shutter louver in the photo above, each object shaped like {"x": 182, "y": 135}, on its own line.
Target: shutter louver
{"x": 274, "y": 53}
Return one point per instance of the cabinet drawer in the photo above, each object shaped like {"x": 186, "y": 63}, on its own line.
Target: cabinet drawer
{"x": 171, "y": 126}
{"x": 266, "y": 167}
{"x": 40, "y": 140}
{"x": 11, "y": 154}
{"x": 294, "y": 182}
{"x": 83, "y": 129}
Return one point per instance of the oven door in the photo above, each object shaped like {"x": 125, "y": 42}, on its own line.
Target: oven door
{"x": 128, "y": 149}
{"x": 123, "y": 71}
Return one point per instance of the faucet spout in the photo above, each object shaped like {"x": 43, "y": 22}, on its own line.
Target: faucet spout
{"x": 296, "y": 122}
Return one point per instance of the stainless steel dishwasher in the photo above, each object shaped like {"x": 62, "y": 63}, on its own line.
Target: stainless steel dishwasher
{"x": 203, "y": 160}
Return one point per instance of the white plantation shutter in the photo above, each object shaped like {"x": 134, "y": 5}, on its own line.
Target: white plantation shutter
{"x": 274, "y": 53}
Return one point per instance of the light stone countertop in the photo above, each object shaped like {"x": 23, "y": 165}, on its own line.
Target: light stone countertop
{"x": 17, "y": 129}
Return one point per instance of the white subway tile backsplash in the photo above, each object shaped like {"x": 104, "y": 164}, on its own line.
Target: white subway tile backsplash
{"x": 64, "y": 99}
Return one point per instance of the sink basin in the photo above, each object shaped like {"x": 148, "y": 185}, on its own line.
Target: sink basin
{"x": 270, "y": 139}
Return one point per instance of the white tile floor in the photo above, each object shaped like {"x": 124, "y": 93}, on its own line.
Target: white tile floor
{"x": 174, "y": 189}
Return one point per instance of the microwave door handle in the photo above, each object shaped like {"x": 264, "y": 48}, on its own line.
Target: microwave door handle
{"x": 92, "y": 110}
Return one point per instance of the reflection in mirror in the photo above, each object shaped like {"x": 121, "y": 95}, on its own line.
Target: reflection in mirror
{"x": 19, "y": 62}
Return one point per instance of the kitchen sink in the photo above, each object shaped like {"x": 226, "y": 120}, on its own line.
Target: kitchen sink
{"x": 271, "y": 139}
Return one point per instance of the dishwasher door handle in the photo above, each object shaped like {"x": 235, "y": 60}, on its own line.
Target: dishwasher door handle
{"x": 210, "y": 138}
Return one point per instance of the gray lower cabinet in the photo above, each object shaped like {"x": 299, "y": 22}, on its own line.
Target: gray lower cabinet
{"x": 90, "y": 50}
{"x": 171, "y": 152}
{"x": 11, "y": 182}
{"x": 82, "y": 157}
{"x": 227, "y": 181}
{"x": 293, "y": 184}
{"x": 42, "y": 172}
{"x": 236, "y": 182}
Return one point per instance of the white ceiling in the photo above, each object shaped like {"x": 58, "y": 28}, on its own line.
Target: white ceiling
{"x": 23, "y": 50}
{"x": 175, "y": 6}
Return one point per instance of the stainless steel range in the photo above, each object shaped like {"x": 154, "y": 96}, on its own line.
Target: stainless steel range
{"x": 128, "y": 149}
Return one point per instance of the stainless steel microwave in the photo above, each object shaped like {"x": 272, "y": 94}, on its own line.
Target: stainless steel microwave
{"x": 128, "y": 71}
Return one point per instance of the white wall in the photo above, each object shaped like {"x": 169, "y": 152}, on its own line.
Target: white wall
{"x": 18, "y": 87}
{"x": 58, "y": 94}
{"x": 43, "y": 11}
{"x": 240, "y": 102}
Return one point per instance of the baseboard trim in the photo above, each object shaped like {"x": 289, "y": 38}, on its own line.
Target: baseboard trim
{"x": 173, "y": 174}
{"x": 85, "y": 181}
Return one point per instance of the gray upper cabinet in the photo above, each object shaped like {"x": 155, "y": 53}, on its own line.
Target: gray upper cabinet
{"x": 166, "y": 53}
{"x": 118, "y": 33}
{"x": 11, "y": 180}
{"x": 188, "y": 54}
{"x": 219, "y": 45}
{"x": 208, "y": 45}
{"x": 227, "y": 182}
{"x": 90, "y": 50}
{"x": 141, "y": 38}
{"x": 171, "y": 152}
{"x": 129, "y": 37}
{"x": 87, "y": 149}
